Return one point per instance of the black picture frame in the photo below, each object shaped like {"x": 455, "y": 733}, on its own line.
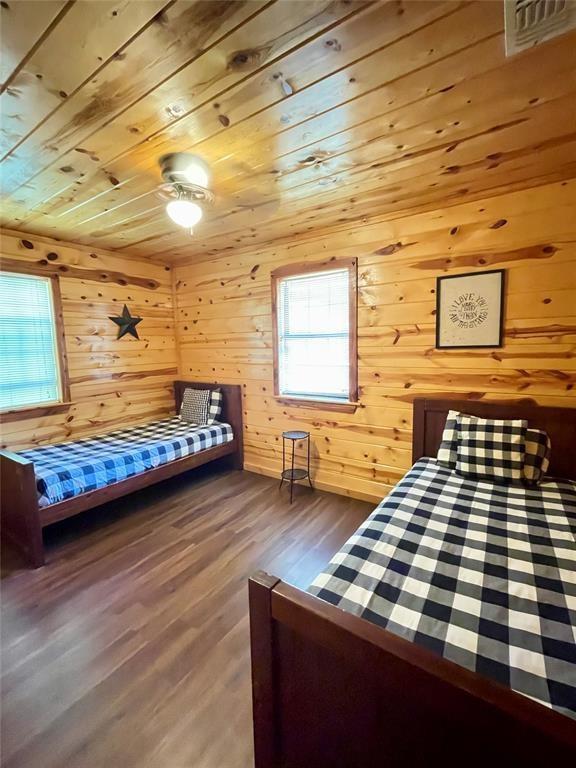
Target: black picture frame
{"x": 441, "y": 279}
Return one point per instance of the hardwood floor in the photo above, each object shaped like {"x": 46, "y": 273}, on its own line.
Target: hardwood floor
{"x": 130, "y": 648}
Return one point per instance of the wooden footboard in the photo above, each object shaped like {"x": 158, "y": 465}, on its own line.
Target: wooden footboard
{"x": 331, "y": 690}
{"x": 20, "y": 515}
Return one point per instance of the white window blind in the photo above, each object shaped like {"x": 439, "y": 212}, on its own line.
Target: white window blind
{"x": 29, "y": 369}
{"x": 314, "y": 335}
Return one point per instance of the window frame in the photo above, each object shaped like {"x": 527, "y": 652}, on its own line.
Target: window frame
{"x": 63, "y": 403}
{"x": 293, "y": 270}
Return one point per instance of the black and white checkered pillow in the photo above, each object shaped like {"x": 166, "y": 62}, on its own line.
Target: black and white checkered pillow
{"x": 448, "y": 451}
{"x": 537, "y": 455}
{"x": 214, "y": 406}
{"x": 491, "y": 448}
{"x": 195, "y": 406}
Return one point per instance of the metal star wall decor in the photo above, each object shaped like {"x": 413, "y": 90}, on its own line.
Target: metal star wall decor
{"x": 126, "y": 323}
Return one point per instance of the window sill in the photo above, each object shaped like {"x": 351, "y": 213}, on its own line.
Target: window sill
{"x": 324, "y": 405}
{"x": 33, "y": 411}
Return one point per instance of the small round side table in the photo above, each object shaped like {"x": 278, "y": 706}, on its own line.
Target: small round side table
{"x": 294, "y": 473}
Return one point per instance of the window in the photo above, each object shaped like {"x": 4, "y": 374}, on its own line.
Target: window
{"x": 32, "y": 372}
{"x": 315, "y": 332}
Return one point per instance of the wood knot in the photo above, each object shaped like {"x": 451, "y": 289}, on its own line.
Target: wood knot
{"x": 249, "y": 58}
{"x": 498, "y": 224}
{"x": 388, "y": 250}
{"x": 224, "y": 120}
{"x": 333, "y": 44}
{"x": 52, "y": 256}
{"x": 27, "y": 244}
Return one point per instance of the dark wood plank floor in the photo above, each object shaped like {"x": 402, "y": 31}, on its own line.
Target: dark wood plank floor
{"x": 130, "y": 648}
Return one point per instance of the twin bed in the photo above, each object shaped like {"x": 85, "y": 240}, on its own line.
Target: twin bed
{"x": 50, "y": 483}
{"x": 443, "y": 632}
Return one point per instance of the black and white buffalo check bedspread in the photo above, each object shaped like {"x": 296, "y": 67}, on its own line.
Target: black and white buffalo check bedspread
{"x": 480, "y": 573}
{"x": 69, "y": 469}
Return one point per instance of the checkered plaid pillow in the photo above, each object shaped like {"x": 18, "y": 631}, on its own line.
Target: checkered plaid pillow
{"x": 448, "y": 450}
{"x": 195, "y": 406}
{"x": 537, "y": 456}
{"x": 215, "y": 406}
{"x": 491, "y": 448}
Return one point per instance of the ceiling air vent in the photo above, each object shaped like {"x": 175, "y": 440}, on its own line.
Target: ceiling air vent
{"x": 529, "y": 22}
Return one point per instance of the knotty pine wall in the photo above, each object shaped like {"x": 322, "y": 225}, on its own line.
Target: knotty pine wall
{"x": 113, "y": 383}
{"x": 224, "y": 327}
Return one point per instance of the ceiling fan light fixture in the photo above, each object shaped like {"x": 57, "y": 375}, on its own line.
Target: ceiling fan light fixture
{"x": 185, "y": 213}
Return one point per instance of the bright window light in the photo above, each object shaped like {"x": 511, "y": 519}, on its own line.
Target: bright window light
{"x": 314, "y": 335}
{"x": 29, "y": 374}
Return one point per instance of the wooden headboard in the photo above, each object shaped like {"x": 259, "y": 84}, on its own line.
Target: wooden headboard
{"x": 559, "y": 423}
{"x": 231, "y": 403}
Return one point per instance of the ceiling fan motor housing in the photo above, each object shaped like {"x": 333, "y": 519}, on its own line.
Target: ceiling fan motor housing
{"x": 177, "y": 183}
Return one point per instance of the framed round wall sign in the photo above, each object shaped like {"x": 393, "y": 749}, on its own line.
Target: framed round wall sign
{"x": 469, "y": 310}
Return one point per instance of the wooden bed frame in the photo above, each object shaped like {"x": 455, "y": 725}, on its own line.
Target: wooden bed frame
{"x": 23, "y": 520}
{"x": 332, "y": 690}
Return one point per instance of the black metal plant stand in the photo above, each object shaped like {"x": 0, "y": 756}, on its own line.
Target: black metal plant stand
{"x": 292, "y": 474}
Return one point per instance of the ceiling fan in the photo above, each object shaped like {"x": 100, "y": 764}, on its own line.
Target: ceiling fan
{"x": 185, "y": 188}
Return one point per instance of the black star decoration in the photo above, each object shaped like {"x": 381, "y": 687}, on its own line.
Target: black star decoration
{"x": 126, "y": 323}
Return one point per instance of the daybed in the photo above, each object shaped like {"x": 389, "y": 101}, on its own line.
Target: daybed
{"x": 131, "y": 459}
{"x": 475, "y": 575}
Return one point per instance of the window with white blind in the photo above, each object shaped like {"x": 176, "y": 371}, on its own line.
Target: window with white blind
{"x": 30, "y": 362}
{"x": 315, "y": 328}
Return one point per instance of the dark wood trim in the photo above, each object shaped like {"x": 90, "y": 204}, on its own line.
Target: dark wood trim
{"x": 19, "y": 507}
{"x": 23, "y": 519}
{"x": 353, "y": 335}
{"x": 75, "y": 505}
{"x": 21, "y": 267}
{"x": 303, "y": 268}
{"x": 345, "y": 692}
{"x": 34, "y": 411}
{"x": 262, "y": 654}
{"x": 442, "y": 278}
{"x": 322, "y": 405}
{"x": 430, "y": 413}
{"x": 60, "y": 339}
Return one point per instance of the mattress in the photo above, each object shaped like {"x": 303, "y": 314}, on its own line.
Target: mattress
{"x": 479, "y": 573}
{"x": 68, "y": 469}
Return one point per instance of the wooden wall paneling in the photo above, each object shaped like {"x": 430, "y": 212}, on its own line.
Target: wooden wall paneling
{"x": 323, "y": 96}
{"x": 113, "y": 382}
{"x": 199, "y": 41}
{"x": 23, "y": 27}
{"x": 87, "y": 35}
{"x": 224, "y": 336}
{"x": 178, "y": 32}
{"x": 254, "y": 88}
{"x": 463, "y": 236}
{"x": 343, "y": 112}
{"x": 366, "y": 199}
{"x": 395, "y": 140}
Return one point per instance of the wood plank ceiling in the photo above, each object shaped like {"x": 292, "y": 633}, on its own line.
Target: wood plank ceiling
{"x": 310, "y": 113}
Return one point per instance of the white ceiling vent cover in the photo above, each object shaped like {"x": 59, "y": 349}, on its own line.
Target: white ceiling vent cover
{"x": 529, "y": 22}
